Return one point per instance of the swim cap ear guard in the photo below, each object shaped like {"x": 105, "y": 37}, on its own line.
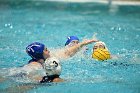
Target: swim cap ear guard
{"x": 71, "y": 38}
{"x": 52, "y": 66}
{"x": 35, "y": 50}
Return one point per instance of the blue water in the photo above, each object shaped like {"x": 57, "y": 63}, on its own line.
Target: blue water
{"x": 22, "y": 23}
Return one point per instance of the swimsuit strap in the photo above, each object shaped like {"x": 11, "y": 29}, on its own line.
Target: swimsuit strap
{"x": 47, "y": 79}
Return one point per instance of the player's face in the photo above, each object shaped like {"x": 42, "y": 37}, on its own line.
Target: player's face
{"x": 46, "y": 53}
{"x": 99, "y": 45}
{"x": 74, "y": 42}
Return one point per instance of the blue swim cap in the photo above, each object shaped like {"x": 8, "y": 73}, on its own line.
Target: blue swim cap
{"x": 35, "y": 50}
{"x": 71, "y": 38}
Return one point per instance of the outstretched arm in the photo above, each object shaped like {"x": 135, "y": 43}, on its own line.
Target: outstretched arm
{"x": 70, "y": 51}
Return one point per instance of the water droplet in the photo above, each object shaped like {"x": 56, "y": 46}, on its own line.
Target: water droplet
{"x": 6, "y": 25}
{"x": 11, "y": 27}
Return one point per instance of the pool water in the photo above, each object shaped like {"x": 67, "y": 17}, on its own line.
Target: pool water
{"x": 51, "y": 22}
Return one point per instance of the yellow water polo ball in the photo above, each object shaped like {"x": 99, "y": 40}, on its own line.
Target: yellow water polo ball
{"x": 101, "y": 54}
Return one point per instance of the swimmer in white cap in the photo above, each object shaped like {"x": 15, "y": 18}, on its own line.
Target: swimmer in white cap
{"x": 99, "y": 44}
{"x": 102, "y": 45}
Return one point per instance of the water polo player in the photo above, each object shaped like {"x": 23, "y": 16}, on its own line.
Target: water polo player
{"x": 71, "y": 41}
{"x": 100, "y": 51}
{"x": 39, "y": 53}
{"x": 74, "y": 40}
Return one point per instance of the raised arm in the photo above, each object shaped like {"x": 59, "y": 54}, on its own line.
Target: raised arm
{"x": 72, "y": 50}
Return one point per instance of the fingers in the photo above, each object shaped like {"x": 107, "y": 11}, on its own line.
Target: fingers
{"x": 85, "y": 42}
{"x": 89, "y": 41}
{"x": 95, "y": 40}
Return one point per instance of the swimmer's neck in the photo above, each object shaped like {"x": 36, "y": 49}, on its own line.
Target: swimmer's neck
{"x": 41, "y": 61}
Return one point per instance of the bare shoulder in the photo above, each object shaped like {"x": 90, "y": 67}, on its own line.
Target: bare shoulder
{"x": 33, "y": 65}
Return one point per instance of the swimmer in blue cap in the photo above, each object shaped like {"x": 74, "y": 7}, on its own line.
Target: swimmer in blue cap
{"x": 71, "y": 41}
{"x": 39, "y": 53}
{"x": 74, "y": 40}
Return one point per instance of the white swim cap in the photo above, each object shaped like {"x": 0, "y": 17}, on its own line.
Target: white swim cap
{"x": 52, "y": 66}
{"x": 100, "y": 42}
